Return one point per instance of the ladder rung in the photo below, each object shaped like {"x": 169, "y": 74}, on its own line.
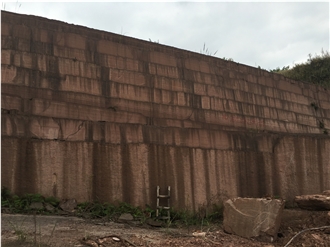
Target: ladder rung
{"x": 163, "y": 207}
{"x": 163, "y": 196}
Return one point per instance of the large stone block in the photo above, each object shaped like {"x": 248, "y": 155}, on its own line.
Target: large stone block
{"x": 13, "y": 124}
{"x": 204, "y": 67}
{"x": 314, "y": 202}
{"x": 41, "y": 35}
{"x": 284, "y": 85}
{"x": 307, "y": 120}
{"x": 10, "y": 102}
{"x": 66, "y": 52}
{"x": 200, "y": 89}
{"x": 215, "y": 91}
{"x": 132, "y": 65}
{"x": 5, "y": 28}
{"x": 82, "y": 85}
{"x": 162, "y": 70}
{"x": 244, "y": 96}
{"x": 232, "y": 106}
{"x": 163, "y": 96}
{"x": 107, "y": 47}
{"x": 22, "y": 31}
{"x": 192, "y": 64}
{"x": 162, "y": 58}
{"x": 8, "y": 73}
{"x": 172, "y": 84}
{"x": 44, "y": 128}
{"x": 129, "y": 92}
{"x": 5, "y": 56}
{"x": 75, "y": 41}
{"x": 216, "y": 104}
{"x": 127, "y": 77}
{"x": 205, "y": 102}
{"x": 253, "y": 217}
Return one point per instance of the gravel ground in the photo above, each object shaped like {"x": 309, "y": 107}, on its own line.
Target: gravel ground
{"x": 27, "y": 230}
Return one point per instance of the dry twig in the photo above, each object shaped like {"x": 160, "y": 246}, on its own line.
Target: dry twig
{"x": 309, "y": 229}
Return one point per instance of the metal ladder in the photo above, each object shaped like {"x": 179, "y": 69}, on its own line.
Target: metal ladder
{"x": 164, "y": 207}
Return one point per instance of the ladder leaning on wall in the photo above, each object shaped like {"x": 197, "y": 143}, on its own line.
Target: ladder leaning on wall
{"x": 167, "y": 208}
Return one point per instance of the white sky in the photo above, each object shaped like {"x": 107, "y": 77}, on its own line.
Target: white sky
{"x": 268, "y": 34}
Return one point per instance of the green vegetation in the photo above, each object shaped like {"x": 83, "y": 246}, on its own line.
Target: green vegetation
{"x": 228, "y": 59}
{"x": 186, "y": 218}
{"x": 322, "y": 127}
{"x": 154, "y": 41}
{"x": 16, "y": 204}
{"x": 111, "y": 211}
{"x": 19, "y": 231}
{"x": 206, "y": 51}
{"x": 315, "y": 106}
{"x": 92, "y": 210}
{"x": 316, "y": 70}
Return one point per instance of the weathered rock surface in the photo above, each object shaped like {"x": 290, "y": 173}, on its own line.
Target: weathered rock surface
{"x": 125, "y": 218}
{"x": 253, "y": 217}
{"x": 314, "y": 202}
{"x": 326, "y": 193}
{"x": 154, "y": 223}
{"x": 68, "y": 205}
{"x": 49, "y": 207}
{"x": 36, "y": 205}
{"x": 93, "y": 115}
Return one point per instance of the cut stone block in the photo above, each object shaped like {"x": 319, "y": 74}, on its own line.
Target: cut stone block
{"x": 314, "y": 202}
{"x": 253, "y": 217}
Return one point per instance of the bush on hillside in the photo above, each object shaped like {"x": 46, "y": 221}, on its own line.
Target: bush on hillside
{"x": 316, "y": 70}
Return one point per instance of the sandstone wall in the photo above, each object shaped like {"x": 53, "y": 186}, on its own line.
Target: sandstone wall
{"x": 99, "y": 116}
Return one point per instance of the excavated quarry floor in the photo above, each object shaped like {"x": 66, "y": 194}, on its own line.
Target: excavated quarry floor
{"x": 19, "y": 230}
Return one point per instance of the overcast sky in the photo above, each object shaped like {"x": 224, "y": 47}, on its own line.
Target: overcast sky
{"x": 269, "y": 34}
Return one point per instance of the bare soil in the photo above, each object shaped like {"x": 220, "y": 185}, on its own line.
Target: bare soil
{"x": 29, "y": 230}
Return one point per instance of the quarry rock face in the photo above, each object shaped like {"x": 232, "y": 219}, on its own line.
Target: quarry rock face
{"x": 253, "y": 217}
{"x": 93, "y": 115}
{"x": 314, "y": 202}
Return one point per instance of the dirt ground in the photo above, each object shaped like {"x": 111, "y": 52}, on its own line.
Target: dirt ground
{"x": 27, "y": 230}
